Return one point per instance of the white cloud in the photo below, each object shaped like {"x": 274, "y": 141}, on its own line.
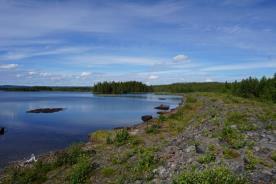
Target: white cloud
{"x": 19, "y": 54}
{"x": 153, "y": 77}
{"x": 107, "y": 60}
{"x": 181, "y": 58}
{"x": 8, "y": 66}
{"x": 85, "y": 74}
{"x": 32, "y": 73}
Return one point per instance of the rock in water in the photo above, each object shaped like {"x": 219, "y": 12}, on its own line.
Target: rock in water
{"x": 146, "y": 118}
{"x": 45, "y": 110}
{"x": 163, "y": 107}
{"x": 2, "y": 131}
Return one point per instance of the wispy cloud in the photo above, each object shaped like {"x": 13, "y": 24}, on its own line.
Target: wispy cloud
{"x": 8, "y": 66}
{"x": 244, "y": 66}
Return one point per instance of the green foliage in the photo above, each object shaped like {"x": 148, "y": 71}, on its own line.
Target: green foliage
{"x": 273, "y": 156}
{"x": 214, "y": 175}
{"x": 154, "y": 128}
{"x": 230, "y": 153}
{"x": 146, "y": 159}
{"x": 265, "y": 88}
{"x": 120, "y": 87}
{"x": 37, "y": 173}
{"x": 240, "y": 120}
{"x": 70, "y": 155}
{"x": 80, "y": 170}
{"x": 207, "y": 158}
{"x": 250, "y": 160}
{"x": 162, "y": 118}
{"x": 121, "y": 137}
{"x": 108, "y": 171}
{"x": 191, "y": 99}
{"x": 191, "y": 87}
{"x": 233, "y": 137}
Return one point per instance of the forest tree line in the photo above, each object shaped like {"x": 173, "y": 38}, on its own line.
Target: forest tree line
{"x": 121, "y": 87}
{"x": 264, "y": 88}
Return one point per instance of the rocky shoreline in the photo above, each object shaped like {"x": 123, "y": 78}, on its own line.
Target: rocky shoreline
{"x": 208, "y": 130}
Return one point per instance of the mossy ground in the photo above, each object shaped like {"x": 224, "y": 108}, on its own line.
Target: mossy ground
{"x": 224, "y": 122}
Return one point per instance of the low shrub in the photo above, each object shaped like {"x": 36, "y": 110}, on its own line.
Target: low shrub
{"x": 80, "y": 170}
{"x": 250, "y": 161}
{"x": 154, "y": 128}
{"x": 121, "y": 137}
{"x": 207, "y": 158}
{"x": 214, "y": 175}
{"x": 70, "y": 155}
{"x": 233, "y": 137}
{"x": 230, "y": 153}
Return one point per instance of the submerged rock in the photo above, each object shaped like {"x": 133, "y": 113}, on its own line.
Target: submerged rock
{"x": 162, "y": 107}
{"x": 45, "y": 110}
{"x": 146, "y": 118}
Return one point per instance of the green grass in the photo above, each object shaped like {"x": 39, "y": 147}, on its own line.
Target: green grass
{"x": 229, "y": 153}
{"x": 214, "y": 175}
{"x": 209, "y": 156}
{"x": 80, "y": 170}
{"x": 154, "y": 129}
{"x": 70, "y": 156}
{"x": 108, "y": 171}
{"x": 241, "y": 121}
{"x": 250, "y": 160}
{"x": 121, "y": 137}
{"x": 273, "y": 156}
{"x": 233, "y": 137}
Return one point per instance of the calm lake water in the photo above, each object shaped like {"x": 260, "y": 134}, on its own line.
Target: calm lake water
{"x": 29, "y": 133}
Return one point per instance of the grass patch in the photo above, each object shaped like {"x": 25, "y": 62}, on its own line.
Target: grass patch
{"x": 34, "y": 174}
{"x": 214, "y": 175}
{"x": 153, "y": 129}
{"x": 241, "y": 121}
{"x": 100, "y": 136}
{"x": 209, "y": 156}
{"x": 229, "y": 153}
{"x": 121, "y": 137}
{"x": 80, "y": 170}
{"x": 70, "y": 156}
{"x": 233, "y": 137}
{"x": 273, "y": 156}
{"x": 108, "y": 171}
{"x": 250, "y": 160}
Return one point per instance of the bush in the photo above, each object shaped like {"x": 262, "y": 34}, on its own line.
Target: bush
{"x": 207, "y": 158}
{"x": 121, "y": 137}
{"x": 70, "y": 155}
{"x": 100, "y": 136}
{"x": 215, "y": 175}
{"x": 146, "y": 159}
{"x": 80, "y": 170}
{"x": 233, "y": 137}
{"x": 230, "y": 153}
{"x": 153, "y": 129}
{"x": 35, "y": 174}
{"x": 250, "y": 160}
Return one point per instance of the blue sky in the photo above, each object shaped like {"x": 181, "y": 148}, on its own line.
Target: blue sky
{"x": 59, "y": 42}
